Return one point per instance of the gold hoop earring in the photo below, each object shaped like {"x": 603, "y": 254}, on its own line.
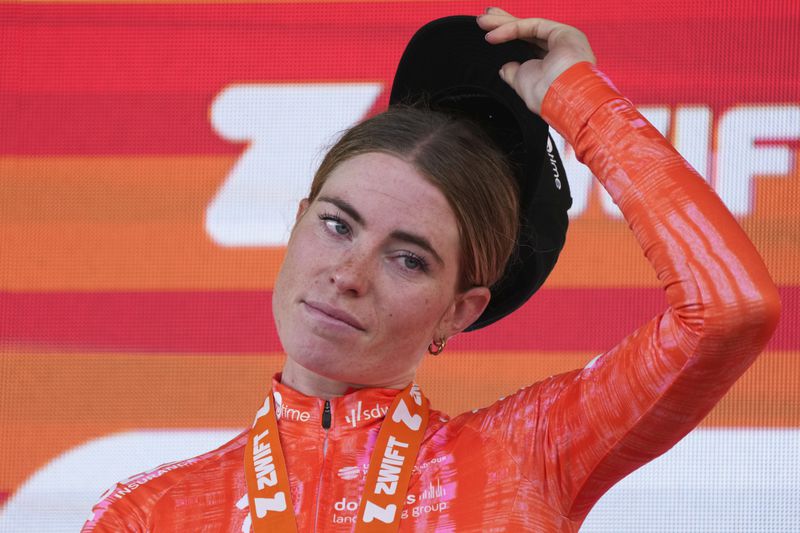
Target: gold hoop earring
{"x": 439, "y": 346}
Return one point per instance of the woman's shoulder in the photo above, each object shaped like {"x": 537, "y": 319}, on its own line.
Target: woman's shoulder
{"x": 523, "y": 410}
{"x": 129, "y": 504}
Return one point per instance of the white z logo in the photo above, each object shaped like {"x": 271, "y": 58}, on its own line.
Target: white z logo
{"x": 402, "y": 414}
{"x": 372, "y": 512}
{"x": 288, "y": 127}
{"x": 276, "y": 503}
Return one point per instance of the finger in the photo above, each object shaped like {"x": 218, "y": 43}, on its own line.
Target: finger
{"x": 526, "y": 29}
{"x": 504, "y": 30}
{"x": 543, "y": 29}
{"x": 498, "y": 11}
{"x": 508, "y": 72}
{"x": 500, "y": 31}
{"x": 490, "y": 22}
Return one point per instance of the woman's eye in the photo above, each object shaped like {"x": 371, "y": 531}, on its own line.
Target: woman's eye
{"x": 414, "y": 263}
{"x": 338, "y": 227}
{"x": 411, "y": 263}
{"x": 335, "y": 224}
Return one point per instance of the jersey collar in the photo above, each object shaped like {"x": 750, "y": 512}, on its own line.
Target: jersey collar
{"x": 356, "y": 410}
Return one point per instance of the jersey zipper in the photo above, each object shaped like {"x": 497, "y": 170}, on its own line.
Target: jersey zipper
{"x": 327, "y": 416}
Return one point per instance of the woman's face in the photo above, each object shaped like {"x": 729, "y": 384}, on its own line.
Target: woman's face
{"x": 370, "y": 275}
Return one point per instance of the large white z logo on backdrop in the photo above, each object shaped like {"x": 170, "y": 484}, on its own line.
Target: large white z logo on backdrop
{"x": 289, "y": 127}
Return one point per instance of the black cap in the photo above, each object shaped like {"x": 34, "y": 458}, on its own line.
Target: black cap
{"x": 449, "y": 64}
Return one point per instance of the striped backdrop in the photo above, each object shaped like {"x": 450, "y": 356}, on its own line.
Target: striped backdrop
{"x": 151, "y": 158}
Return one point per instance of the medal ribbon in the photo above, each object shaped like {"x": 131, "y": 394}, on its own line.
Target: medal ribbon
{"x": 266, "y": 475}
{"x": 389, "y": 473}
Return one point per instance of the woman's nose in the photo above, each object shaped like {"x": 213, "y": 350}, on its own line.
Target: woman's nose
{"x": 352, "y": 275}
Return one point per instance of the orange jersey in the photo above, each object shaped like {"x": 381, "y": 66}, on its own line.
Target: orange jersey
{"x": 539, "y": 459}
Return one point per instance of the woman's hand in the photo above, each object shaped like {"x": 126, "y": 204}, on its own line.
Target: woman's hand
{"x": 562, "y": 46}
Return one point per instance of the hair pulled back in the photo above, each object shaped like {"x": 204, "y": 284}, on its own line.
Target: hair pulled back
{"x": 459, "y": 159}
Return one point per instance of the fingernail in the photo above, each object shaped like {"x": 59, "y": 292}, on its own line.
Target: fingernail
{"x": 502, "y": 75}
{"x": 488, "y": 9}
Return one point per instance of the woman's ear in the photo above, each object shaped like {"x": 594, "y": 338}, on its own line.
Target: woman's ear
{"x": 466, "y": 309}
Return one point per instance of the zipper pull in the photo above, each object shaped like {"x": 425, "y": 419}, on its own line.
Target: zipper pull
{"x": 326, "y": 415}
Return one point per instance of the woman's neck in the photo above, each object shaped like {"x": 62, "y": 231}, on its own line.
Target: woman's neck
{"x": 310, "y": 383}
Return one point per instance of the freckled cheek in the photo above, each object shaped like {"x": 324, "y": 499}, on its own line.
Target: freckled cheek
{"x": 307, "y": 255}
{"x": 413, "y": 313}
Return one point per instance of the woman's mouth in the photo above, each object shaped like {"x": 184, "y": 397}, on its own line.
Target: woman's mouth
{"x": 331, "y": 313}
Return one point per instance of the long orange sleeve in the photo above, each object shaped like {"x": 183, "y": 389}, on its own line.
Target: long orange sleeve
{"x": 637, "y": 400}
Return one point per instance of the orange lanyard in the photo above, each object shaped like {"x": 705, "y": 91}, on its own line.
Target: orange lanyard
{"x": 266, "y": 474}
{"x": 390, "y": 468}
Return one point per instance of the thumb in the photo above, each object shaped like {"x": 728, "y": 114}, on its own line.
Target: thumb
{"x": 508, "y": 72}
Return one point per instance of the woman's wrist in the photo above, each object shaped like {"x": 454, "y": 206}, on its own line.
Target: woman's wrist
{"x": 574, "y": 96}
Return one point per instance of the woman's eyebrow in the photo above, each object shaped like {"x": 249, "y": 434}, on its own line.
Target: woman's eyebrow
{"x": 422, "y": 242}
{"x": 344, "y": 206}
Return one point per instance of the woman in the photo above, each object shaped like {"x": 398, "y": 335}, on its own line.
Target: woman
{"x": 387, "y": 260}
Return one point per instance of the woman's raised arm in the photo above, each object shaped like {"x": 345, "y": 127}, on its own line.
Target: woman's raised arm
{"x": 587, "y": 429}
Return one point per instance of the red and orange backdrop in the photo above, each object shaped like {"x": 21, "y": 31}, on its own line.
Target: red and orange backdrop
{"x": 151, "y": 158}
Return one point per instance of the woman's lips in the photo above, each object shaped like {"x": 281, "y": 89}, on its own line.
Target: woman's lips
{"x": 334, "y": 313}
